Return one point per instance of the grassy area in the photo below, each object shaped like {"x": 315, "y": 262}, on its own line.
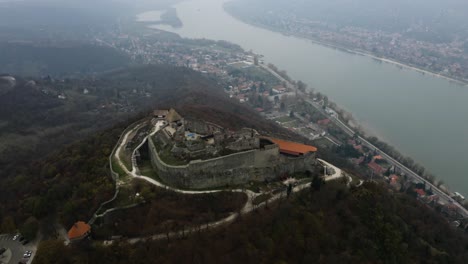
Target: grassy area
{"x": 291, "y": 124}
{"x": 146, "y": 169}
{"x": 322, "y": 143}
{"x": 305, "y": 130}
{"x": 284, "y": 119}
{"x": 254, "y": 73}
{"x": 240, "y": 65}
{"x": 117, "y": 169}
{"x": 126, "y": 196}
{"x": 355, "y": 178}
{"x": 261, "y": 198}
{"x": 168, "y": 211}
{"x": 166, "y": 156}
{"x": 125, "y": 157}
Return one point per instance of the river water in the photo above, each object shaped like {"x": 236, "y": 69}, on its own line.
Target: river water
{"x": 424, "y": 117}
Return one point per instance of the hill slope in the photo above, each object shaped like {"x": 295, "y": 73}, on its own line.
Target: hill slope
{"x": 36, "y": 123}
{"x": 332, "y": 225}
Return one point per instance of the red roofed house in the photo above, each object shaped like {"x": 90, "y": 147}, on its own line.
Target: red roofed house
{"x": 420, "y": 192}
{"x": 394, "y": 182}
{"x": 79, "y": 230}
{"x": 324, "y": 122}
{"x": 258, "y": 109}
{"x": 375, "y": 167}
{"x": 393, "y": 178}
{"x": 378, "y": 157}
{"x": 292, "y": 148}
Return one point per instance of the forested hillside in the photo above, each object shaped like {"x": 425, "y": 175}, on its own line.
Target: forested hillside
{"x": 330, "y": 225}
{"x": 58, "y": 60}
{"x": 44, "y": 181}
{"x": 52, "y": 179}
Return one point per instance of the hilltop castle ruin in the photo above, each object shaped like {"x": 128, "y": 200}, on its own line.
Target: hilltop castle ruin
{"x": 195, "y": 154}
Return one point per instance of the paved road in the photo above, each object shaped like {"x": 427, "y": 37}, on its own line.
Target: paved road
{"x": 406, "y": 170}
{"x": 288, "y": 84}
{"x": 462, "y": 210}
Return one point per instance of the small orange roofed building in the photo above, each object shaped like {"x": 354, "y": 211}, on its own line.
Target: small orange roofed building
{"x": 292, "y": 148}
{"x": 79, "y": 230}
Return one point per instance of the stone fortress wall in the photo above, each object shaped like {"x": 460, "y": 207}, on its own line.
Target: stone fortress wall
{"x": 252, "y": 161}
{"x": 238, "y": 168}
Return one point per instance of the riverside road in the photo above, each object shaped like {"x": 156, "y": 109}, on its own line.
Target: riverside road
{"x": 445, "y": 197}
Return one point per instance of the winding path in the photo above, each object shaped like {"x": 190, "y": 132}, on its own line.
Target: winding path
{"x": 248, "y": 206}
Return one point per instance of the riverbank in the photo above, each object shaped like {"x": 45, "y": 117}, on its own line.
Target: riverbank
{"x": 439, "y": 189}
{"x": 389, "y": 102}
{"x": 351, "y": 51}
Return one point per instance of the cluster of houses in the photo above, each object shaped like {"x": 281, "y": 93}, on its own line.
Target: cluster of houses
{"x": 399, "y": 182}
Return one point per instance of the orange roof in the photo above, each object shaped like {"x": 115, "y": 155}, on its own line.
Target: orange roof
{"x": 421, "y": 192}
{"x": 375, "y": 167}
{"x": 78, "y": 230}
{"x": 378, "y": 157}
{"x": 394, "y": 178}
{"x": 292, "y": 148}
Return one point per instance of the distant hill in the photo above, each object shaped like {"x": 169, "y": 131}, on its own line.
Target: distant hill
{"x": 426, "y": 20}
{"x": 27, "y": 59}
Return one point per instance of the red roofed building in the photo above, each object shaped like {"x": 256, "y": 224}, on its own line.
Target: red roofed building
{"x": 375, "y": 167}
{"x": 259, "y": 109}
{"x": 292, "y": 148}
{"x": 420, "y": 192}
{"x": 79, "y": 230}
{"x": 378, "y": 157}
{"x": 324, "y": 122}
{"x": 358, "y": 148}
{"x": 394, "y": 182}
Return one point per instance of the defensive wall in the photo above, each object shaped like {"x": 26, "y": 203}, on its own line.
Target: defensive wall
{"x": 229, "y": 170}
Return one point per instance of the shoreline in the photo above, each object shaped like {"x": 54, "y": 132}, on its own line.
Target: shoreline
{"x": 355, "y": 52}
{"x": 380, "y": 137}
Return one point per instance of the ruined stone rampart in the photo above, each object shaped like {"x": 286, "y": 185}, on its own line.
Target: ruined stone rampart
{"x": 238, "y": 168}
{"x": 201, "y": 127}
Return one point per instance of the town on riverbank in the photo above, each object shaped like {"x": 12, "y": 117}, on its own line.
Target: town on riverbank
{"x": 247, "y": 79}
{"x": 429, "y": 55}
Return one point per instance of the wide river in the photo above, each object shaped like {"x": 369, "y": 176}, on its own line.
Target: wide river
{"x": 424, "y": 117}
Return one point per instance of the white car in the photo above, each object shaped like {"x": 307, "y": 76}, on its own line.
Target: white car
{"x": 16, "y": 237}
{"x": 27, "y": 254}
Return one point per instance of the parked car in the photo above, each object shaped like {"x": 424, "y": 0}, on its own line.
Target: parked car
{"x": 15, "y": 237}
